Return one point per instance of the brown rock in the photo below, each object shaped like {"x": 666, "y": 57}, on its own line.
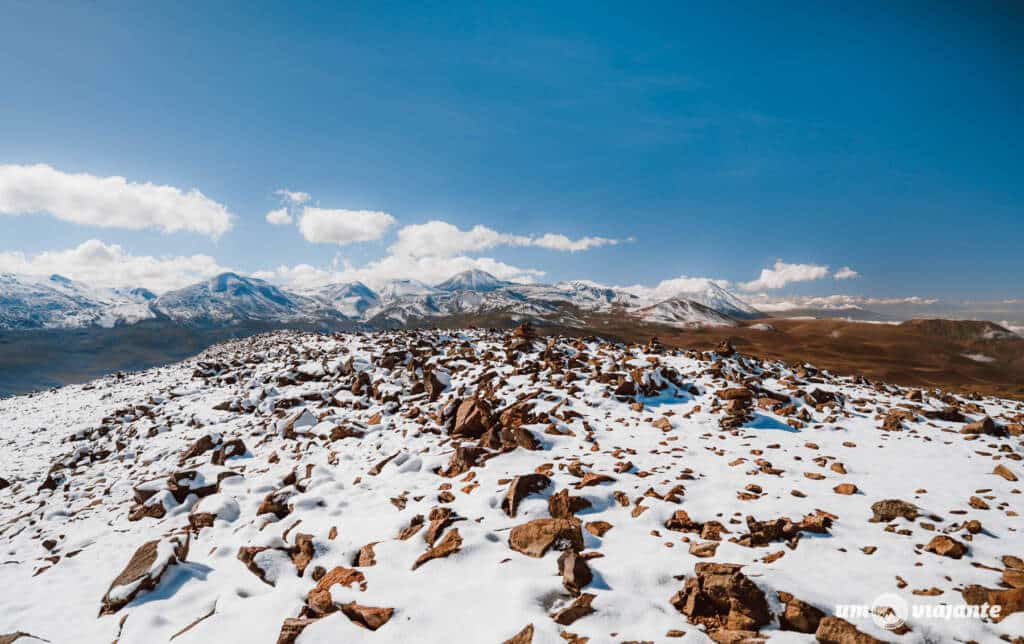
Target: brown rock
{"x": 597, "y": 528}
{"x": 224, "y": 451}
{"x": 799, "y": 615}
{"x": 562, "y": 505}
{"x": 319, "y": 599}
{"x": 519, "y": 488}
{"x": 292, "y": 628}
{"x": 367, "y": 616}
{"x": 472, "y": 419}
{"x": 465, "y": 458}
{"x": 574, "y": 570}
{"x": 887, "y": 510}
{"x": 450, "y": 544}
{"x": 835, "y": 630}
{"x": 1010, "y": 600}
{"x": 580, "y": 607}
{"x": 984, "y": 426}
{"x": 366, "y": 556}
{"x": 1005, "y": 472}
{"x": 946, "y": 547}
{"x": 538, "y": 536}
{"x": 735, "y": 393}
{"x": 142, "y": 573}
{"x": 845, "y": 488}
{"x": 721, "y": 597}
{"x": 524, "y": 636}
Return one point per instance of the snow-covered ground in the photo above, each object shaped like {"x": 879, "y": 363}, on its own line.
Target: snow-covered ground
{"x": 271, "y": 488}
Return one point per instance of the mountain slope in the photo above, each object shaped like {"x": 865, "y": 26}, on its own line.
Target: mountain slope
{"x": 229, "y": 298}
{"x": 472, "y": 280}
{"x": 680, "y": 312}
{"x": 58, "y": 302}
{"x": 715, "y": 297}
{"x": 351, "y": 299}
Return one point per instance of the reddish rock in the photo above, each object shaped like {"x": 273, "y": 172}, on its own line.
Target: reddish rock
{"x": 519, "y": 488}
{"x": 985, "y": 426}
{"x": 472, "y": 419}
{"x": 946, "y": 547}
{"x": 292, "y": 628}
{"x": 319, "y": 599}
{"x": 538, "y": 536}
{"x": 367, "y": 616}
{"x": 143, "y": 572}
{"x": 1009, "y": 600}
{"x": 798, "y": 615}
{"x": 450, "y": 544}
{"x": 562, "y": 505}
{"x": 524, "y": 636}
{"x": 721, "y": 597}
{"x": 580, "y": 607}
{"x": 835, "y": 630}
{"x": 574, "y": 570}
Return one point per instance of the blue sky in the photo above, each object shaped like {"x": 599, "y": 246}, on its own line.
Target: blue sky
{"x": 710, "y": 141}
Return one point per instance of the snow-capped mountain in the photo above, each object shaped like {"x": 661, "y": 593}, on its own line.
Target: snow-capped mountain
{"x": 403, "y": 288}
{"x": 680, "y": 312}
{"x": 473, "y": 280}
{"x": 230, "y": 298}
{"x": 58, "y": 302}
{"x": 351, "y": 299}
{"x": 717, "y": 298}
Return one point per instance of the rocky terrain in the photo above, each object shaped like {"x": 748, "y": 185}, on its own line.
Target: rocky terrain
{"x": 496, "y": 486}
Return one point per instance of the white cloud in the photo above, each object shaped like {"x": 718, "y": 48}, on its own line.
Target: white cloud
{"x": 782, "y": 274}
{"x": 846, "y": 273}
{"x": 561, "y": 242}
{"x": 322, "y": 225}
{"x": 99, "y": 264}
{"x": 108, "y": 202}
{"x": 442, "y": 239}
{"x": 834, "y": 302}
{"x": 279, "y": 217}
{"x": 375, "y": 274}
{"x": 296, "y": 198}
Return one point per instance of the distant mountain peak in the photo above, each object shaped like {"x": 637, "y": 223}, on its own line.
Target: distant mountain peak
{"x": 472, "y": 280}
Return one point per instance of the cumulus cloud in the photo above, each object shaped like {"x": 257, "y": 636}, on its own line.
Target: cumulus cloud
{"x": 100, "y": 264}
{"x": 782, "y": 274}
{"x": 442, "y": 239}
{"x": 846, "y": 273}
{"x": 334, "y": 226}
{"x": 293, "y": 197}
{"x": 279, "y": 217}
{"x": 108, "y": 202}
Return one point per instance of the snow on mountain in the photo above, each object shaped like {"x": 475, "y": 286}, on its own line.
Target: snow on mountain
{"x": 232, "y": 298}
{"x": 351, "y": 299}
{"x": 402, "y": 288}
{"x": 472, "y": 280}
{"x": 681, "y": 312}
{"x": 267, "y": 491}
{"x": 715, "y": 297}
{"x": 58, "y": 302}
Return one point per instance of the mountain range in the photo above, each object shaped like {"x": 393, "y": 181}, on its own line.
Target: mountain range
{"x": 58, "y": 302}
